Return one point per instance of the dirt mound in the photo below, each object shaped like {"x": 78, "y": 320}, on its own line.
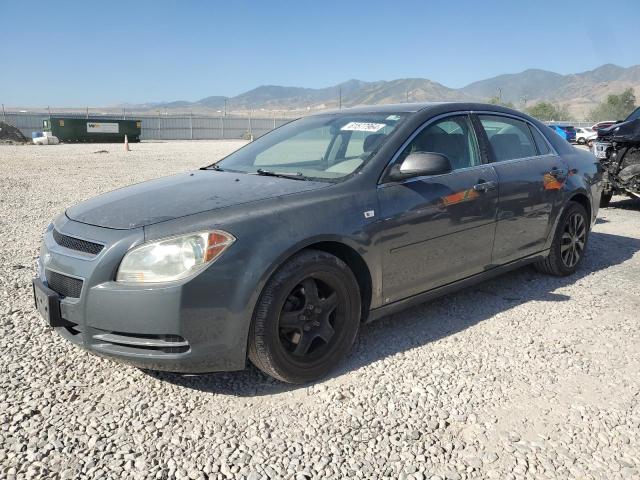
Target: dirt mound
{"x": 10, "y": 134}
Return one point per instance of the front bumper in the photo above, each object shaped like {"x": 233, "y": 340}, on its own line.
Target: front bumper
{"x": 197, "y": 325}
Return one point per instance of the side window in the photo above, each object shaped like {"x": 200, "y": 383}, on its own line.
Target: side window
{"x": 541, "y": 143}
{"x": 451, "y": 136}
{"x": 509, "y": 138}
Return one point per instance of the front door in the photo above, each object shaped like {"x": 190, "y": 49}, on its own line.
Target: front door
{"x": 438, "y": 229}
{"x": 530, "y": 180}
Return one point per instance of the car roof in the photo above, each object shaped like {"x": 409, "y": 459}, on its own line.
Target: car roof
{"x": 418, "y": 107}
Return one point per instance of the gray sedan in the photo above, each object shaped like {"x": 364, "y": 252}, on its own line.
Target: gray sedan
{"x": 281, "y": 250}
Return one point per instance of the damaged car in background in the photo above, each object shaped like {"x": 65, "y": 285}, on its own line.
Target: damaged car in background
{"x": 618, "y": 149}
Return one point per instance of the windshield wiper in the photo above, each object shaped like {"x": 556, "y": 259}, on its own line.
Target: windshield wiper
{"x": 270, "y": 173}
{"x": 215, "y": 167}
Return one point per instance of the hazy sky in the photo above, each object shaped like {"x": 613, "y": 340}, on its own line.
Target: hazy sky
{"x": 102, "y": 52}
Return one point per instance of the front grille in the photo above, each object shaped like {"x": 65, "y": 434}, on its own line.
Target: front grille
{"x": 78, "y": 244}
{"x": 64, "y": 285}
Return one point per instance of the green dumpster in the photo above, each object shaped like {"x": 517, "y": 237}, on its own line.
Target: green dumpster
{"x": 93, "y": 130}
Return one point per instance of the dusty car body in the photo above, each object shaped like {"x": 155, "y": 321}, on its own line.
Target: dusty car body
{"x": 618, "y": 149}
{"x": 450, "y": 195}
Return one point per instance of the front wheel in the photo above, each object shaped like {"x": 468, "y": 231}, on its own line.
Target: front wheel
{"x": 581, "y": 141}
{"x": 306, "y": 319}
{"x": 569, "y": 242}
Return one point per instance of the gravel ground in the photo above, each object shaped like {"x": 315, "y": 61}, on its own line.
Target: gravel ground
{"x": 524, "y": 376}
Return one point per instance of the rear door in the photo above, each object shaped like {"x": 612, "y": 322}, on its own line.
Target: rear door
{"x": 530, "y": 178}
{"x": 438, "y": 229}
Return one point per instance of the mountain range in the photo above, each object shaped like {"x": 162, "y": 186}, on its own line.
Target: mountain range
{"x": 579, "y": 92}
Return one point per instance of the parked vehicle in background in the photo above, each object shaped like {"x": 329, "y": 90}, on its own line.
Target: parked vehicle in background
{"x": 618, "y": 149}
{"x": 568, "y": 132}
{"x": 599, "y": 125}
{"x": 585, "y": 136}
{"x": 278, "y": 252}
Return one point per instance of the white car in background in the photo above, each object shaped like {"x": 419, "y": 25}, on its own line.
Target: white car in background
{"x": 585, "y": 135}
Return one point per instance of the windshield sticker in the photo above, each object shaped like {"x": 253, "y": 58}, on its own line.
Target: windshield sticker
{"x": 393, "y": 117}
{"x": 363, "y": 126}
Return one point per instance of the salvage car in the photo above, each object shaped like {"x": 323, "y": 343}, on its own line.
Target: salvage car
{"x": 618, "y": 149}
{"x": 568, "y": 132}
{"x": 281, "y": 250}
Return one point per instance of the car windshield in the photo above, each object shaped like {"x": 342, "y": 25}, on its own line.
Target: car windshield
{"x": 324, "y": 147}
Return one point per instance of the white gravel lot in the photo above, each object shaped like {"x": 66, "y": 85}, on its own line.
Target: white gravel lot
{"x": 524, "y": 376}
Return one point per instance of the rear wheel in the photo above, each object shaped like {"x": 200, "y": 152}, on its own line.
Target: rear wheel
{"x": 569, "y": 242}
{"x": 306, "y": 319}
{"x": 581, "y": 141}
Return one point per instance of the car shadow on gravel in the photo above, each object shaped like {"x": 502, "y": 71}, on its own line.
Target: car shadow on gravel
{"x": 625, "y": 204}
{"x": 428, "y": 322}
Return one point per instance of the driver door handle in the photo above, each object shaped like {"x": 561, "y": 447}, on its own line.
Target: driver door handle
{"x": 483, "y": 186}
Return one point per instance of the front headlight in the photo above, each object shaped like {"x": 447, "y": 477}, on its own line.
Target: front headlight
{"x": 172, "y": 258}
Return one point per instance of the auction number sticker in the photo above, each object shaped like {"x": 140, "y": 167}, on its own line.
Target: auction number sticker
{"x": 363, "y": 126}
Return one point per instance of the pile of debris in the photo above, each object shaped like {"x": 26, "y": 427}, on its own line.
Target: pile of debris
{"x": 10, "y": 134}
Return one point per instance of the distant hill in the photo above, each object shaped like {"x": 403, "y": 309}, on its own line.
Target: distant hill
{"x": 580, "y": 92}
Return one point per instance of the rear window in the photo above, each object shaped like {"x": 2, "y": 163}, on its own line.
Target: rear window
{"x": 510, "y": 139}
{"x": 541, "y": 143}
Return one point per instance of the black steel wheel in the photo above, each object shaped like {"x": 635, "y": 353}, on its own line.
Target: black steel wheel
{"x": 569, "y": 242}
{"x": 306, "y": 319}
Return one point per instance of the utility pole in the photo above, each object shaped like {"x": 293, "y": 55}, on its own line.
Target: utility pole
{"x": 225, "y": 107}
{"x": 87, "y": 112}
{"x": 407, "y": 96}
{"x": 340, "y": 98}
{"x": 499, "y": 94}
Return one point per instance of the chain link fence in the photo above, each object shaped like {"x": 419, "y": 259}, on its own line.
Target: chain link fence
{"x": 181, "y": 126}
{"x": 165, "y": 127}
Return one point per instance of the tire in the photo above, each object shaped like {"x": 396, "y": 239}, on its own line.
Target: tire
{"x": 564, "y": 243}
{"x": 581, "y": 141}
{"x": 605, "y": 199}
{"x": 299, "y": 333}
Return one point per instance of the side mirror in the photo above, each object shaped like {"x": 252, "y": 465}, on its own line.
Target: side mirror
{"x": 418, "y": 164}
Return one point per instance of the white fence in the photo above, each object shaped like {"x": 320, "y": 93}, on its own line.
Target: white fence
{"x": 166, "y": 127}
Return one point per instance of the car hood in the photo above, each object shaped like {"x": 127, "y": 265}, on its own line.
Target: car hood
{"x": 180, "y": 195}
{"x": 622, "y": 132}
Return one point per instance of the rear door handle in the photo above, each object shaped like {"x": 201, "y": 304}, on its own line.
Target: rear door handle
{"x": 483, "y": 186}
